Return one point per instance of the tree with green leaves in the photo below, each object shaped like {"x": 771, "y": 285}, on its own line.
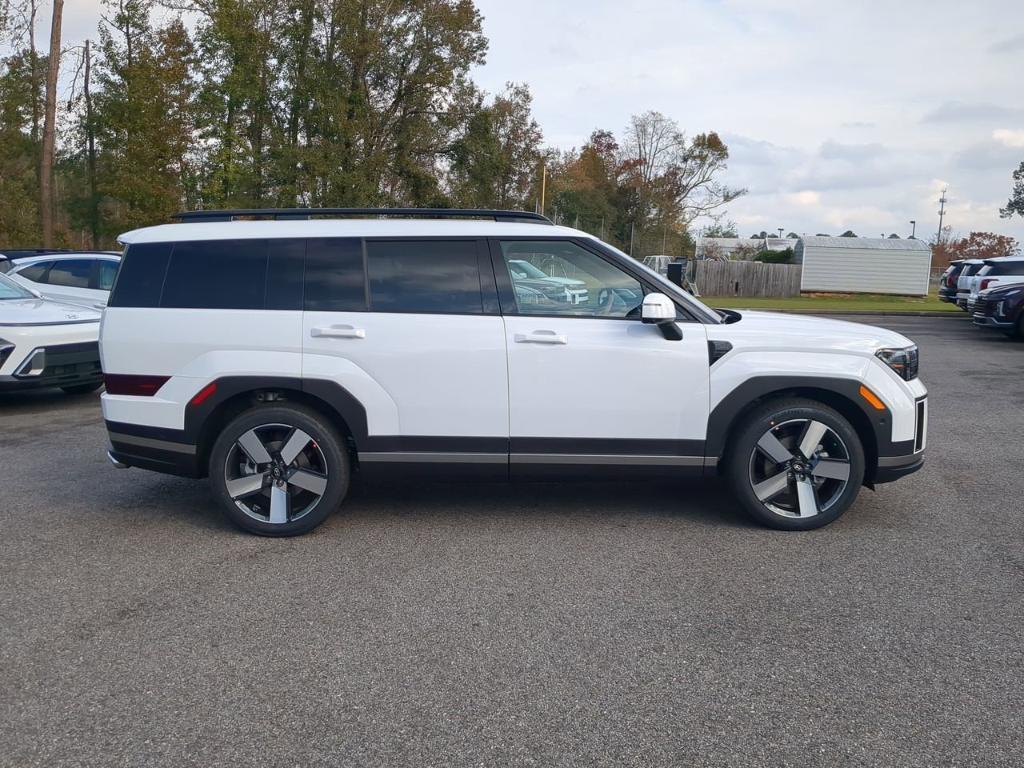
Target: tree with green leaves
{"x": 1015, "y": 205}
{"x": 144, "y": 117}
{"x": 494, "y": 163}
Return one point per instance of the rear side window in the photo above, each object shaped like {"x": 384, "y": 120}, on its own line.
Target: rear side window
{"x": 426, "y": 276}
{"x": 141, "y": 276}
{"x": 217, "y": 274}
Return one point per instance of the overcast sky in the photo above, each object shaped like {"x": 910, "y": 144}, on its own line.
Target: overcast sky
{"x": 838, "y": 115}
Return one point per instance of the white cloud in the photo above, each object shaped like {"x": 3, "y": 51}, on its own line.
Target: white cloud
{"x": 805, "y": 197}
{"x": 1008, "y": 137}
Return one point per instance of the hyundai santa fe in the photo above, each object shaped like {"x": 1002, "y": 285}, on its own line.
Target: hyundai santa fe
{"x": 280, "y": 352}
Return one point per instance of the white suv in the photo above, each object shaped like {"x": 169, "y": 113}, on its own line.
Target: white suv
{"x": 281, "y": 356}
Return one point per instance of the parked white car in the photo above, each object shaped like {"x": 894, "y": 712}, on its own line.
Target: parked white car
{"x": 995, "y": 273}
{"x": 46, "y": 343}
{"x": 964, "y": 281}
{"x": 80, "y": 278}
{"x": 280, "y": 357}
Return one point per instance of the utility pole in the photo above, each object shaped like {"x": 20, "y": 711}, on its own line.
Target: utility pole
{"x": 90, "y": 140}
{"x": 942, "y": 212}
{"x": 543, "y": 185}
{"x": 631, "y": 228}
{"x": 46, "y": 155}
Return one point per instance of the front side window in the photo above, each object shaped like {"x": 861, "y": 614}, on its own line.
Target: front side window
{"x": 70, "y": 273}
{"x": 424, "y": 276}
{"x": 553, "y": 277}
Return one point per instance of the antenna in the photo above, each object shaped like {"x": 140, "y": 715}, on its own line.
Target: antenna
{"x": 942, "y": 212}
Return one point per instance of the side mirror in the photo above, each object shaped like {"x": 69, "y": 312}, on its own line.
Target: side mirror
{"x": 658, "y": 309}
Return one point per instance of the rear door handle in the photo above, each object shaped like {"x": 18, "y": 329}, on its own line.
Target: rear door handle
{"x": 540, "y": 337}
{"x": 338, "y": 332}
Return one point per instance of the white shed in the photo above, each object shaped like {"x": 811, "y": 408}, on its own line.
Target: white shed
{"x": 864, "y": 265}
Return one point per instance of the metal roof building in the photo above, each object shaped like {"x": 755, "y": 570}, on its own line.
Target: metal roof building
{"x": 864, "y": 265}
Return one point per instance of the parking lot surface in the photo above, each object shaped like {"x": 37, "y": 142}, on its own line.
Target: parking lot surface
{"x": 556, "y": 624}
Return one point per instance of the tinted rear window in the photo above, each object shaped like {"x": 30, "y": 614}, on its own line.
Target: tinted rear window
{"x": 36, "y": 272}
{"x": 141, "y": 276}
{"x": 428, "y": 276}
{"x": 217, "y": 274}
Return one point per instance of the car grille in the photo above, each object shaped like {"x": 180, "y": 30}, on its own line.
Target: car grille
{"x": 63, "y": 361}
{"x": 985, "y": 307}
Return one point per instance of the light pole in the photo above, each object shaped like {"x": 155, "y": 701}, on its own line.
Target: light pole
{"x": 780, "y": 232}
{"x": 913, "y": 231}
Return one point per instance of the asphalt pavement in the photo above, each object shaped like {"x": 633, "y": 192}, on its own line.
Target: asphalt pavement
{"x": 622, "y": 624}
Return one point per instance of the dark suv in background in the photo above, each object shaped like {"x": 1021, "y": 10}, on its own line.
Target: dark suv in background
{"x": 947, "y": 283}
{"x": 1002, "y": 309}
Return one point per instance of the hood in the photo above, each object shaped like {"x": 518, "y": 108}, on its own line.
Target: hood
{"x": 771, "y": 330}
{"x": 44, "y": 312}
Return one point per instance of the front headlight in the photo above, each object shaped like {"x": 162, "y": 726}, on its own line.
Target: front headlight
{"x": 903, "y": 361}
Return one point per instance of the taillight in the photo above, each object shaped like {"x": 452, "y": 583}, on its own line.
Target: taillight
{"x": 130, "y": 384}
{"x": 986, "y": 283}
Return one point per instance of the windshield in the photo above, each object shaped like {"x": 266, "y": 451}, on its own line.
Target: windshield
{"x": 11, "y": 290}
{"x": 703, "y": 311}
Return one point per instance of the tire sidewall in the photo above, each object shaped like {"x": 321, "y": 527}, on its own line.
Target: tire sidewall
{"x": 326, "y": 437}
{"x": 763, "y": 419}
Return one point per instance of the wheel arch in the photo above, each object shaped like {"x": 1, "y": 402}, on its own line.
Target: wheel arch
{"x": 237, "y": 394}
{"x": 843, "y": 395}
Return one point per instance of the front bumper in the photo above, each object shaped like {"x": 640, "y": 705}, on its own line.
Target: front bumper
{"x": 987, "y": 321}
{"x": 54, "y": 365}
{"x": 896, "y": 467}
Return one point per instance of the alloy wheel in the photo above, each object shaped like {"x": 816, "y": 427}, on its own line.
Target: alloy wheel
{"x": 799, "y": 468}
{"x": 275, "y": 473}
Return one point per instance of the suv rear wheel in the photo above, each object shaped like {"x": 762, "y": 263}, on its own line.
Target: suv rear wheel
{"x": 796, "y": 465}
{"x": 279, "y": 470}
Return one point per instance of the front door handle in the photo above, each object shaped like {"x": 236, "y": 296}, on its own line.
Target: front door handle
{"x": 338, "y": 332}
{"x": 540, "y": 337}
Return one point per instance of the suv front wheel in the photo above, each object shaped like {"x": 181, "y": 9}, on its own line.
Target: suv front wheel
{"x": 796, "y": 465}
{"x": 279, "y": 470}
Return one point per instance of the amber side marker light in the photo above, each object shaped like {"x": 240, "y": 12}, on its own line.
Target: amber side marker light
{"x": 872, "y": 398}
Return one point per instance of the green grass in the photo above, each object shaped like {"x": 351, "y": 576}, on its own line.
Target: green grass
{"x": 837, "y": 302}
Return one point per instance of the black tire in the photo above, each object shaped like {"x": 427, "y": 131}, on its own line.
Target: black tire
{"x": 324, "y": 459}
{"x": 82, "y": 389}
{"x": 789, "y": 421}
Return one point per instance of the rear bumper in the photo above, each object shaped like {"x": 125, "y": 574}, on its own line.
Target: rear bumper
{"x": 153, "y": 449}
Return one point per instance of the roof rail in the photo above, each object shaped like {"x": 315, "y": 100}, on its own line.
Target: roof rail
{"x": 309, "y": 213}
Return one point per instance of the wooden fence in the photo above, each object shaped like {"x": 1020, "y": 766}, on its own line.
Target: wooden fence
{"x": 747, "y": 279}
